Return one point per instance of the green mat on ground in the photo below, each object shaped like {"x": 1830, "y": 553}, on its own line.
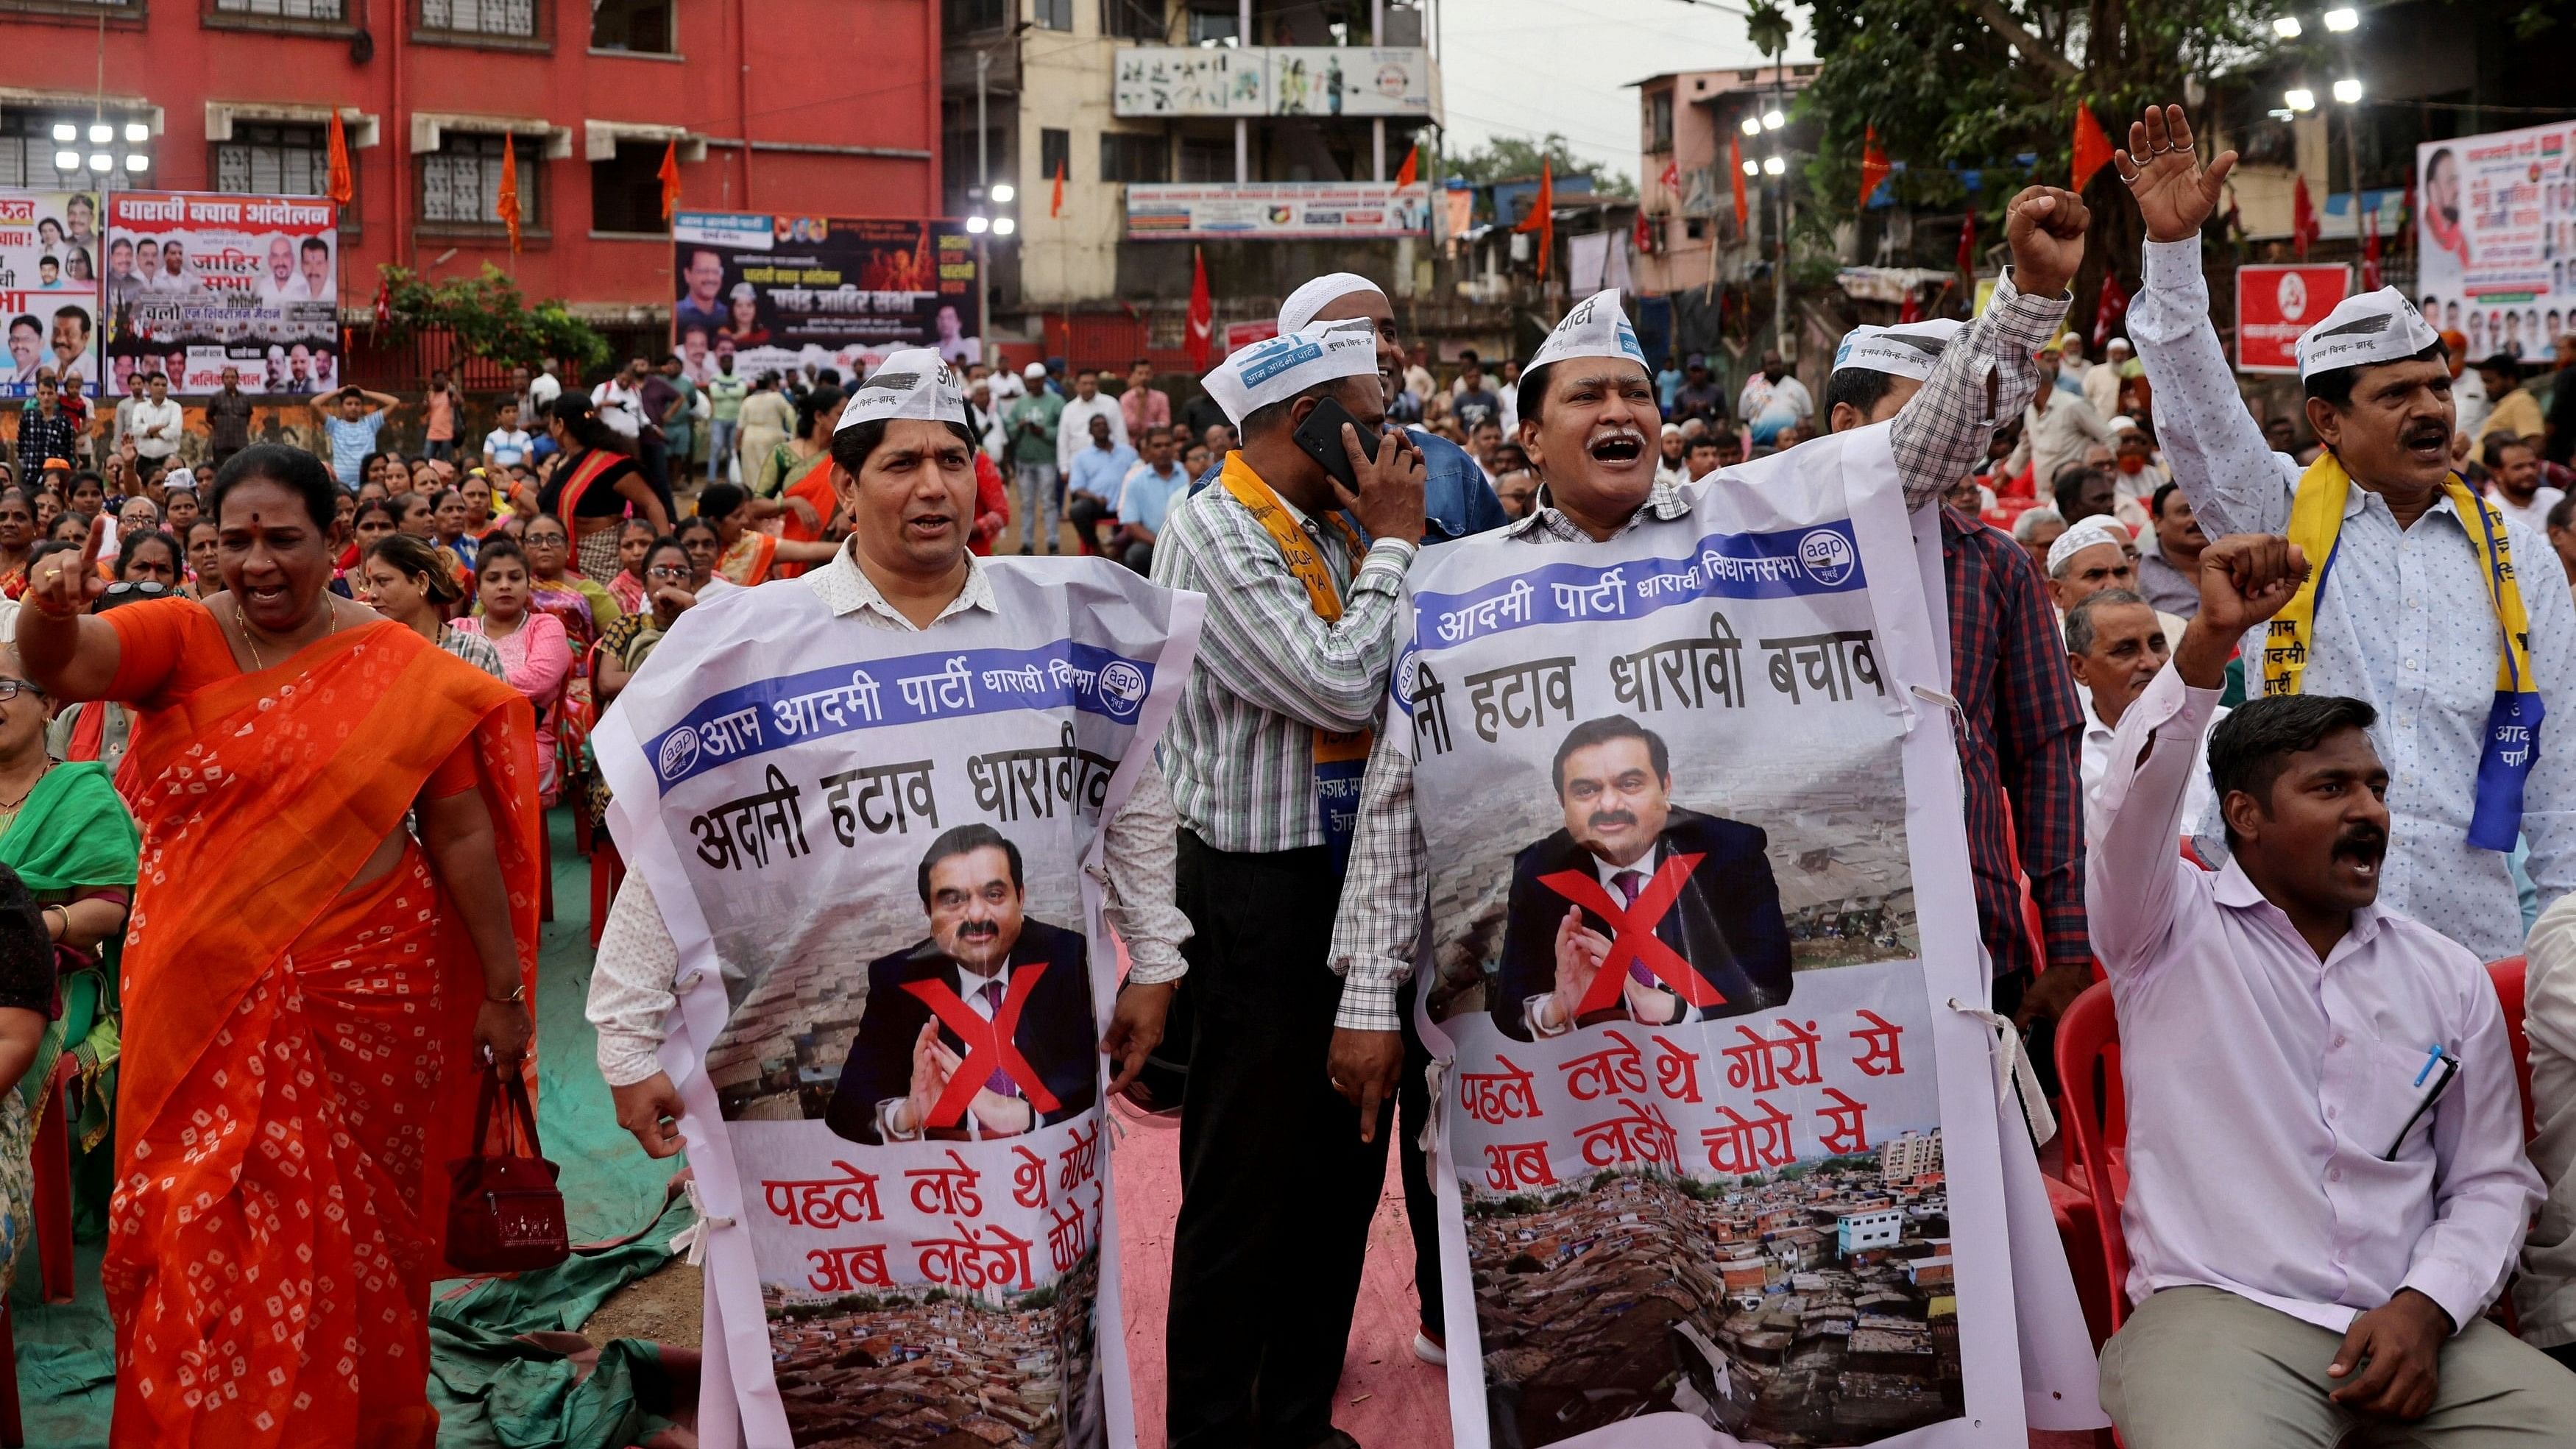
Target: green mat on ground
{"x": 489, "y": 1390}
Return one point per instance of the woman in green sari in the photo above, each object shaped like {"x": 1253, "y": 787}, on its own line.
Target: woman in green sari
{"x": 68, "y": 837}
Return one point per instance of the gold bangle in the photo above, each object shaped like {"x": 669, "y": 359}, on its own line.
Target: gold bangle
{"x": 518, "y": 994}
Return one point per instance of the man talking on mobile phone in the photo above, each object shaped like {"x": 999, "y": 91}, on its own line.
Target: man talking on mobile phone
{"x": 1264, "y": 758}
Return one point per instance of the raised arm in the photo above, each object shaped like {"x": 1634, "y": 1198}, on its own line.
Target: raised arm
{"x": 70, "y": 653}
{"x": 1986, "y": 376}
{"x": 2235, "y": 482}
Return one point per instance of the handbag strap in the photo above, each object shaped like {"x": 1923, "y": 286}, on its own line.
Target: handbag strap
{"x": 519, "y": 1113}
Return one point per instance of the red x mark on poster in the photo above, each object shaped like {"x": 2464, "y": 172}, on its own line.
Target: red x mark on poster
{"x": 989, "y": 1044}
{"x": 1633, "y": 935}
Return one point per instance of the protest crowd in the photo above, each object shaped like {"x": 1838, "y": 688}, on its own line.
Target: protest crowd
{"x": 2248, "y": 725}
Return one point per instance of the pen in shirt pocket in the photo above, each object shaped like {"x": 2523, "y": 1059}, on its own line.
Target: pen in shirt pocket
{"x": 2439, "y": 1068}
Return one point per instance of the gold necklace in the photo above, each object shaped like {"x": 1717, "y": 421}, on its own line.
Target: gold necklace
{"x": 250, "y": 640}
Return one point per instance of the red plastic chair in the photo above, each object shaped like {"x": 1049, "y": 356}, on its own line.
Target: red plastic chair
{"x": 2097, "y": 1122}
{"x": 607, "y": 869}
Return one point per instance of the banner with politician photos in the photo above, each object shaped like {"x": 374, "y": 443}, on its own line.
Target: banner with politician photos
{"x": 870, "y": 845}
{"x": 49, "y": 269}
{"x": 199, "y": 283}
{"x": 1720, "y": 1157}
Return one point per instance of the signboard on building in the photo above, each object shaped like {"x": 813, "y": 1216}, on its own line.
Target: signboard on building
{"x": 198, "y": 282}
{"x": 782, "y": 292}
{"x": 2496, "y": 237}
{"x": 1281, "y": 80}
{"x": 49, "y": 261}
{"x": 1277, "y": 210}
{"x": 2275, "y": 303}
{"x": 1240, "y": 335}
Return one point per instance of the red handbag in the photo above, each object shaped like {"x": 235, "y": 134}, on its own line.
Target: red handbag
{"x": 504, "y": 1212}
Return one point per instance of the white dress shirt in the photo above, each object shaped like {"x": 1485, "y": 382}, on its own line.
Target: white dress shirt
{"x": 2533, "y": 515}
{"x": 2199, "y": 798}
{"x": 2403, "y": 622}
{"x": 2545, "y": 1295}
{"x": 1073, "y": 428}
{"x": 630, "y": 984}
{"x": 620, "y": 407}
{"x": 2266, "y": 1090}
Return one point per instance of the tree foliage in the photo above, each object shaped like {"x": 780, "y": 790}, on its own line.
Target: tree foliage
{"x": 1507, "y": 158}
{"x": 490, "y": 319}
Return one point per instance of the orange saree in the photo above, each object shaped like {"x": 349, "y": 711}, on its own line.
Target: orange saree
{"x": 297, "y": 1067}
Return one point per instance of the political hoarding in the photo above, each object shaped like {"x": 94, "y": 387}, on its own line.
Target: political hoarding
{"x": 1276, "y": 210}
{"x": 781, "y": 293}
{"x": 870, "y": 849}
{"x": 2496, "y": 238}
{"x": 1721, "y": 1159}
{"x": 49, "y": 265}
{"x": 2275, "y": 302}
{"x": 1279, "y": 80}
{"x": 198, "y": 282}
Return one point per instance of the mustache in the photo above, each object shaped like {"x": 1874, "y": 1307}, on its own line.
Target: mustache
{"x": 978, "y": 930}
{"x": 2430, "y": 431}
{"x": 1607, "y": 819}
{"x": 2367, "y": 843}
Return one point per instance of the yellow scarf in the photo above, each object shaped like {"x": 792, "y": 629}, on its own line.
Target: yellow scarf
{"x": 2316, "y": 526}
{"x": 1339, "y": 757}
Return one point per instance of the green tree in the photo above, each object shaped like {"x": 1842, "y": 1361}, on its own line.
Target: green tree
{"x": 490, "y": 319}
{"x": 1507, "y": 158}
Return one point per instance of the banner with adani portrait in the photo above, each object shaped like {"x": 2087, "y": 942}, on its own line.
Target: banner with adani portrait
{"x": 870, "y": 846}
{"x": 1720, "y": 1147}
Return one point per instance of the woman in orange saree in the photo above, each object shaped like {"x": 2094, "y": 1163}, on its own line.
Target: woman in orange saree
{"x": 309, "y": 986}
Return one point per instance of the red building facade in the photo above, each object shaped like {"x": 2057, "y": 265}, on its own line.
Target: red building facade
{"x": 811, "y": 107}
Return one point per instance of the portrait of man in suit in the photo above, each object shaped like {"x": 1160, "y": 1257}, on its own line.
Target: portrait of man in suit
{"x": 981, "y": 1029}
{"x": 1637, "y": 909}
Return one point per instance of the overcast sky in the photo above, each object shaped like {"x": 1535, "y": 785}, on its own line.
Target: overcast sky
{"x": 1527, "y": 67}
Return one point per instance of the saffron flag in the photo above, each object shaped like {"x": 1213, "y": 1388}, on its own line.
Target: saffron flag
{"x": 1873, "y": 166}
{"x": 1735, "y": 178}
{"x": 1411, "y": 170}
{"x": 2092, "y": 148}
{"x": 344, "y": 186}
{"x": 1202, "y": 322}
{"x": 2304, "y": 227}
{"x": 507, "y": 202}
{"x": 1542, "y": 214}
{"x": 670, "y": 175}
{"x": 1055, "y": 203}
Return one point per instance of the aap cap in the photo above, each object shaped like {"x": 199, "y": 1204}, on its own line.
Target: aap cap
{"x": 1278, "y": 368}
{"x": 2085, "y": 533}
{"x": 2379, "y": 326}
{"x": 912, "y": 383}
{"x": 1909, "y": 349}
{"x": 1298, "y": 312}
{"x": 1595, "y": 328}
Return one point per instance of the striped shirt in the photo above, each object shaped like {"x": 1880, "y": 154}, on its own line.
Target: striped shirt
{"x": 1937, "y": 437}
{"x": 1239, "y": 755}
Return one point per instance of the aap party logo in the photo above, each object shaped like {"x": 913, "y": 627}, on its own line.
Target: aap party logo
{"x": 2292, "y": 296}
{"x": 1122, "y": 689}
{"x": 1827, "y": 555}
{"x": 679, "y": 751}
{"x": 1402, "y": 681}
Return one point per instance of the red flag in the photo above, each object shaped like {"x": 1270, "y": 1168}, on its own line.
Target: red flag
{"x": 1735, "y": 177}
{"x": 384, "y": 300}
{"x": 2092, "y": 148}
{"x": 1411, "y": 171}
{"x": 343, "y": 186}
{"x": 670, "y": 175}
{"x": 1912, "y": 310}
{"x": 1202, "y": 313}
{"x": 1542, "y": 214}
{"x": 2109, "y": 313}
{"x": 507, "y": 202}
{"x": 1968, "y": 244}
{"x": 1055, "y": 203}
{"x": 1645, "y": 235}
{"x": 2303, "y": 218}
{"x": 1671, "y": 180}
{"x": 1873, "y": 166}
{"x": 2370, "y": 251}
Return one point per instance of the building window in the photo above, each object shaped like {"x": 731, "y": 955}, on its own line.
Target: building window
{"x": 27, "y": 148}
{"x": 1659, "y": 121}
{"x": 510, "y": 19}
{"x": 1134, "y": 19}
{"x": 973, "y": 17}
{"x": 1211, "y": 26}
{"x": 626, "y": 189}
{"x": 1055, "y": 149}
{"x": 274, "y": 160}
{"x": 328, "y": 10}
{"x": 1053, "y": 14}
{"x": 460, "y": 183}
{"x": 646, "y": 27}
{"x": 1205, "y": 161}
{"x": 1126, "y": 156}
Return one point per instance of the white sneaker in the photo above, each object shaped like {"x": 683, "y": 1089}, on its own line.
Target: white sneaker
{"x": 1429, "y": 1352}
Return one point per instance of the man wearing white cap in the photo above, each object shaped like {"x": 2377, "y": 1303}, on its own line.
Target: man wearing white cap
{"x": 903, "y": 467}
{"x": 1267, "y": 741}
{"x": 2404, "y": 616}
{"x": 1033, "y": 421}
{"x": 2452, "y": 627}
{"x": 2093, "y": 555}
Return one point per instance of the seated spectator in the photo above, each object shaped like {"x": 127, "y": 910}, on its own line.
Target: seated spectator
{"x": 2037, "y": 531}
{"x": 2170, "y": 576}
{"x": 2513, "y": 482}
{"x": 408, "y": 582}
{"x": 2327, "y": 1183}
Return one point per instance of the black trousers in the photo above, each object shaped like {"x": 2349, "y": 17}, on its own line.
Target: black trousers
{"x": 1276, "y": 1187}
{"x": 1086, "y": 514}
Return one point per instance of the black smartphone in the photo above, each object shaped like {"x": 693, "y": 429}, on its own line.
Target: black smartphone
{"x": 1321, "y": 436}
